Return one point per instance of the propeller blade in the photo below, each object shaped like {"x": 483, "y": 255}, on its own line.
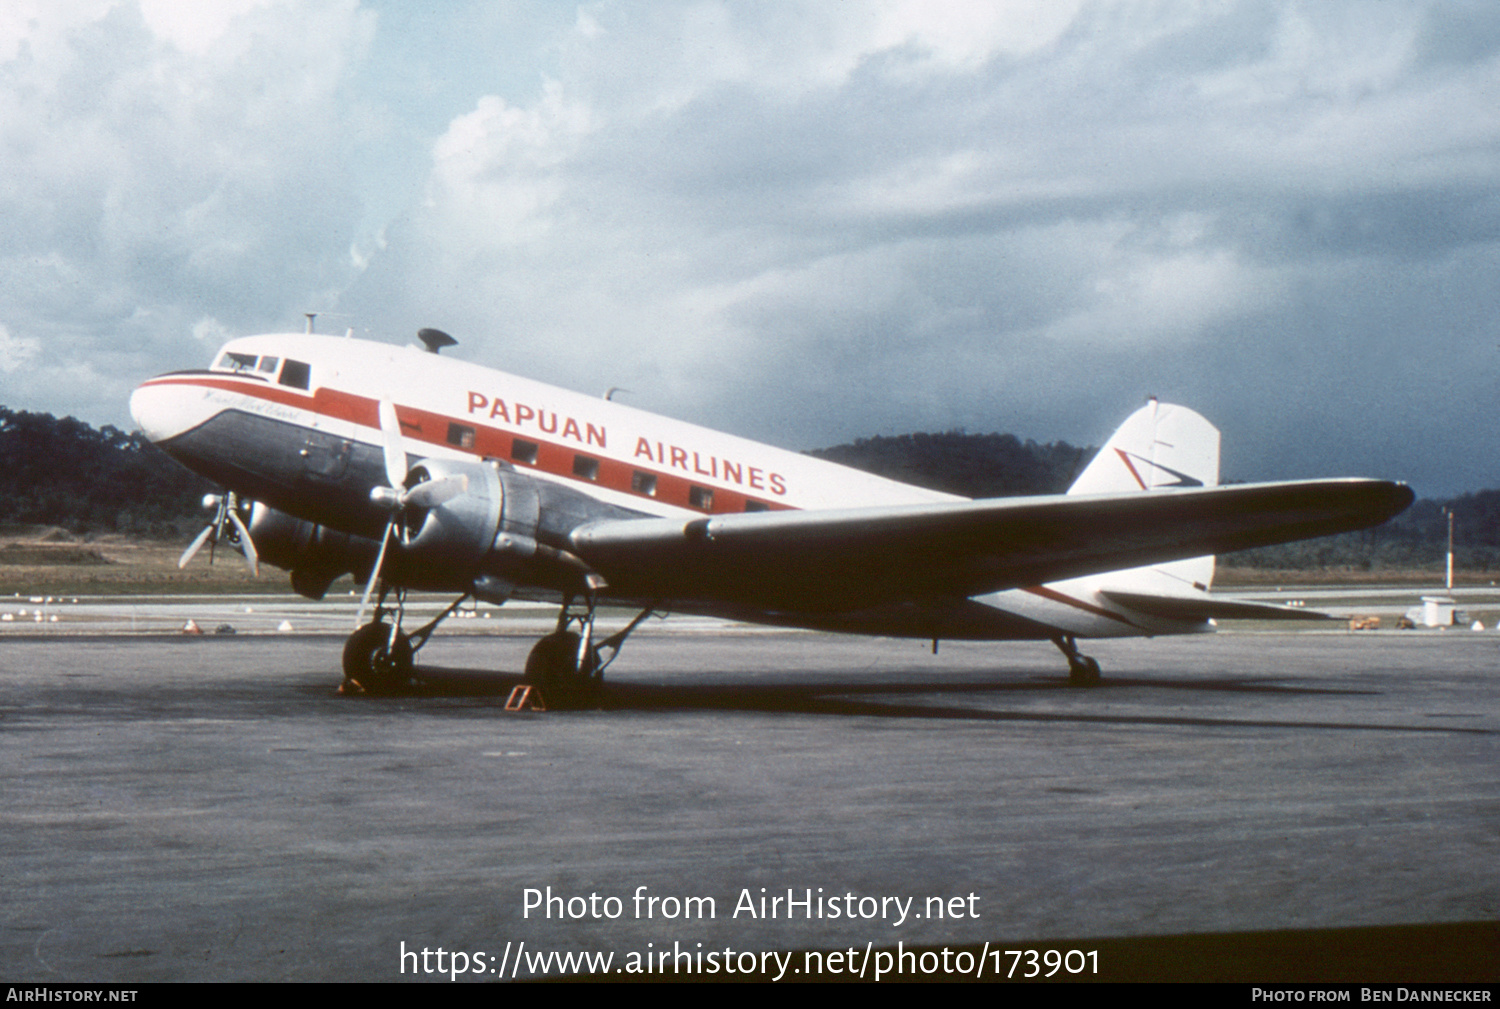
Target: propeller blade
{"x": 395, "y": 446}
{"x": 364, "y": 601}
{"x": 247, "y": 545}
{"x": 431, "y": 493}
{"x": 195, "y": 546}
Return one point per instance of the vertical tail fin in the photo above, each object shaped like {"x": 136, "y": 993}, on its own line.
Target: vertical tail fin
{"x": 1159, "y": 447}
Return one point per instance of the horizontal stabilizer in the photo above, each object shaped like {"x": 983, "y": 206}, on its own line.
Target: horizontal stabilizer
{"x": 1206, "y": 607}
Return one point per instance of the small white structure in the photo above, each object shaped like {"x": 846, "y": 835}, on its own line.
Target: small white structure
{"x": 1435, "y": 611}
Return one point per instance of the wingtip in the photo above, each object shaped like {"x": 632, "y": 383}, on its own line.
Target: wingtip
{"x": 1401, "y": 497}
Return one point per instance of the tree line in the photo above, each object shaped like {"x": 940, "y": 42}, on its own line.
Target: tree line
{"x": 63, "y": 472}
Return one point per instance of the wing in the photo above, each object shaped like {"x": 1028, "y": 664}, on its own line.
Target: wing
{"x": 839, "y": 559}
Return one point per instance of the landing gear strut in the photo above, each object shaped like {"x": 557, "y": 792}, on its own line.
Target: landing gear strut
{"x": 567, "y": 665}
{"x": 378, "y": 656}
{"x": 1083, "y": 670}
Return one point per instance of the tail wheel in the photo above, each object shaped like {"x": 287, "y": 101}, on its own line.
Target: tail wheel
{"x": 1084, "y": 672}
{"x": 374, "y": 664}
{"x": 553, "y": 666}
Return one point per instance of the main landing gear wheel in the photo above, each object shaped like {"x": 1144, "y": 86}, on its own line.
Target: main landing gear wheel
{"x": 373, "y": 664}
{"x": 553, "y": 667}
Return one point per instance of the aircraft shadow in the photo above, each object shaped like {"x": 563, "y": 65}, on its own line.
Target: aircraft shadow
{"x": 908, "y": 699}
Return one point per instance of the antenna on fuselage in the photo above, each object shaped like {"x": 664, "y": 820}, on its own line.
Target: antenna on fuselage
{"x": 609, "y": 394}
{"x": 435, "y": 339}
{"x": 310, "y": 317}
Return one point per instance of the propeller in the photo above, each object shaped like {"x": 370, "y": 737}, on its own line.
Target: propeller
{"x": 226, "y": 525}
{"x": 397, "y": 497}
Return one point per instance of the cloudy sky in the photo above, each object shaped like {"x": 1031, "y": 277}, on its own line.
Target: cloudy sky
{"x": 802, "y": 223}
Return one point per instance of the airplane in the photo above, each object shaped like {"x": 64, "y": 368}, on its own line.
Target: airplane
{"x": 416, "y": 471}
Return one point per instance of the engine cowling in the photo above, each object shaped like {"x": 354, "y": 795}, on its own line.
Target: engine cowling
{"x": 442, "y": 547}
{"x": 503, "y": 530}
{"x": 315, "y": 555}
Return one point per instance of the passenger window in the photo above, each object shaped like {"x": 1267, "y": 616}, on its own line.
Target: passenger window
{"x": 461, "y": 435}
{"x": 757, "y": 506}
{"x": 296, "y": 374}
{"x": 525, "y": 451}
{"x": 643, "y": 483}
{"x": 585, "y": 467}
{"x": 700, "y": 497}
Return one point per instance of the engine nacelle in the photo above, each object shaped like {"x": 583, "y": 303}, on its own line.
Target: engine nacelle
{"x": 441, "y": 547}
{"x": 502, "y": 530}
{"x": 314, "y": 554}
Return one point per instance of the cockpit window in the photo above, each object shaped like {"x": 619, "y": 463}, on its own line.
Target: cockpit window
{"x": 230, "y": 361}
{"x": 261, "y": 366}
{"x": 296, "y": 374}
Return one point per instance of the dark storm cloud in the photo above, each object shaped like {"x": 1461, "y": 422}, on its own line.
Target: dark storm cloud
{"x": 805, "y": 224}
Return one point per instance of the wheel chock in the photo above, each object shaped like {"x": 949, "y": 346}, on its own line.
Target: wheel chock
{"x": 524, "y": 696}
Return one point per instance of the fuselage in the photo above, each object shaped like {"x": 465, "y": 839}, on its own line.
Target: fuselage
{"x": 292, "y": 420}
{"x": 327, "y": 389}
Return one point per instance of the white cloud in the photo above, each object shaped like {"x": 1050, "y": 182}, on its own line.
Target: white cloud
{"x": 1147, "y": 299}
{"x": 211, "y": 331}
{"x": 498, "y": 166}
{"x": 958, "y": 33}
{"x": 37, "y": 29}
{"x": 15, "y": 351}
{"x": 659, "y": 57}
{"x": 194, "y": 26}
{"x": 164, "y": 164}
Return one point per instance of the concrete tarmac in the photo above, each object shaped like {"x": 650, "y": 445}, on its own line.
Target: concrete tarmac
{"x": 210, "y": 809}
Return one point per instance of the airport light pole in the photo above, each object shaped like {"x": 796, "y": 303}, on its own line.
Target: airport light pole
{"x": 1449, "y": 513}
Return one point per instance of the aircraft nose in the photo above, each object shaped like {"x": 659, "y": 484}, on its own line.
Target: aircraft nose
{"x": 164, "y": 409}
